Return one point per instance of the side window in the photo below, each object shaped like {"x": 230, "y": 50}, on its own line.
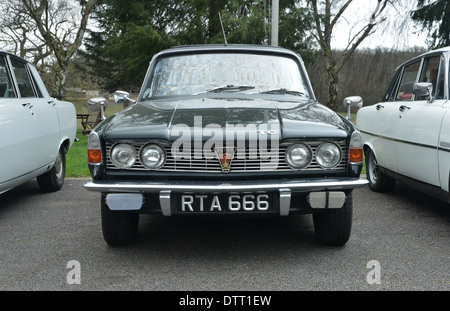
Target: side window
{"x": 434, "y": 70}
{"x": 23, "y": 79}
{"x": 440, "y": 87}
{"x": 390, "y": 92}
{"x": 38, "y": 83}
{"x": 406, "y": 84}
{"x": 6, "y": 86}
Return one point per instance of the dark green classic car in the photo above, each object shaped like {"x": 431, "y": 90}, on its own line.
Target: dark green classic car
{"x": 226, "y": 130}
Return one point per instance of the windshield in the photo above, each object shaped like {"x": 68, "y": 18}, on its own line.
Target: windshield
{"x": 222, "y": 73}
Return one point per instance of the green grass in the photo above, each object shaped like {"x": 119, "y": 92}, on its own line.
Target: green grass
{"x": 76, "y": 158}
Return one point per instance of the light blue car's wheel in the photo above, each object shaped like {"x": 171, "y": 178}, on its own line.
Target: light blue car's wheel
{"x": 53, "y": 180}
{"x": 378, "y": 181}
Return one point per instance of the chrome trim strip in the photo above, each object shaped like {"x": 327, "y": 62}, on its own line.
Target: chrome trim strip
{"x": 401, "y": 141}
{"x": 232, "y": 186}
{"x": 164, "y": 202}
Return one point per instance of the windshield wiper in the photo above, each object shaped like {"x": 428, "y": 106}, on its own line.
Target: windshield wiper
{"x": 283, "y": 92}
{"x": 229, "y": 88}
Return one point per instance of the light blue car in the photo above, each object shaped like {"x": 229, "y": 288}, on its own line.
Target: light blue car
{"x": 36, "y": 130}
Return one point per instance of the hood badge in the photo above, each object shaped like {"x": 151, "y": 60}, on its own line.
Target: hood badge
{"x": 225, "y": 156}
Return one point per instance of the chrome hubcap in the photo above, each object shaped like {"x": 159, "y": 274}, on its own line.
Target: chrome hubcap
{"x": 59, "y": 166}
{"x": 373, "y": 169}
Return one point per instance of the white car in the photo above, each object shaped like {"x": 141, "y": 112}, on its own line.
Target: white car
{"x": 407, "y": 135}
{"x": 36, "y": 130}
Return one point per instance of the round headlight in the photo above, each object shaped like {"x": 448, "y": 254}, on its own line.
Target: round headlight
{"x": 299, "y": 156}
{"x": 328, "y": 155}
{"x": 123, "y": 155}
{"x": 152, "y": 156}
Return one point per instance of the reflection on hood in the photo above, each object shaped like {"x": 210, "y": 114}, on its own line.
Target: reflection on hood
{"x": 155, "y": 119}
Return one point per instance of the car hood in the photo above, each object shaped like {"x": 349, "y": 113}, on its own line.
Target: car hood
{"x": 168, "y": 119}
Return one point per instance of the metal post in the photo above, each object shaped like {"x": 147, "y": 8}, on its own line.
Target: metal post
{"x": 275, "y": 21}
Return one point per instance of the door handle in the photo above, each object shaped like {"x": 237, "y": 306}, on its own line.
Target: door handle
{"x": 29, "y": 105}
{"x": 403, "y": 108}
{"x": 379, "y": 106}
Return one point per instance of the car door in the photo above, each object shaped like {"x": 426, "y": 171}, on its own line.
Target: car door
{"x": 18, "y": 128}
{"x": 47, "y": 138}
{"x": 377, "y": 124}
{"x": 47, "y": 120}
{"x": 444, "y": 149}
{"x": 419, "y": 122}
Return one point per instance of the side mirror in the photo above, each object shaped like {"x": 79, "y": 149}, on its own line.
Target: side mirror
{"x": 98, "y": 104}
{"x": 121, "y": 96}
{"x": 424, "y": 89}
{"x": 352, "y": 101}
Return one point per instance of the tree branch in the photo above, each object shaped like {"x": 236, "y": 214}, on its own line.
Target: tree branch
{"x": 339, "y": 14}
{"x": 365, "y": 32}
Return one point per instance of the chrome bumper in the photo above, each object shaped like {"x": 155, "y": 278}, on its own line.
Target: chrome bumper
{"x": 284, "y": 187}
{"x": 232, "y": 186}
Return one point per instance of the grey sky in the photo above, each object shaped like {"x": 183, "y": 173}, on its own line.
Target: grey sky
{"x": 396, "y": 32}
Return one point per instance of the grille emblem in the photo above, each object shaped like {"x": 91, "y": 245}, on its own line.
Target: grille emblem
{"x": 225, "y": 156}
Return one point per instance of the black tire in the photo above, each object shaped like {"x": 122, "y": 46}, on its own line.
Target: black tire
{"x": 53, "y": 180}
{"x": 119, "y": 227}
{"x": 378, "y": 182}
{"x": 333, "y": 226}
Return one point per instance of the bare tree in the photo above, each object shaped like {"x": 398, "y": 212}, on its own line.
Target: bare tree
{"x": 327, "y": 14}
{"x": 50, "y": 32}
{"x": 16, "y": 30}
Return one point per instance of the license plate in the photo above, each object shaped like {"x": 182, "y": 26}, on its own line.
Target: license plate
{"x": 225, "y": 203}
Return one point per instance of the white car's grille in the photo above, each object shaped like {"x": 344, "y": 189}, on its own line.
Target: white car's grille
{"x": 253, "y": 161}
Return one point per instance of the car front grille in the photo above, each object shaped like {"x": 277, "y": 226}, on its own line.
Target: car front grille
{"x": 251, "y": 161}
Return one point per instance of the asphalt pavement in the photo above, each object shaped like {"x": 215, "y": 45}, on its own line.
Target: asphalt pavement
{"x": 53, "y": 241}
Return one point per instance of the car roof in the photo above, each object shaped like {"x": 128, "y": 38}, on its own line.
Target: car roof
{"x": 4, "y": 53}
{"x": 227, "y": 47}
{"x": 444, "y": 50}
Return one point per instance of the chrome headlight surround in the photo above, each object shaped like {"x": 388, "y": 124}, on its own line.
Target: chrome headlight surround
{"x": 152, "y": 156}
{"x": 123, "y": 155}
{"x": 299, "y": 156}
{"x": 328, "y": 155}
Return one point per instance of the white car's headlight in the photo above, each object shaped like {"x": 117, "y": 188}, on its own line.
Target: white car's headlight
{"x": 299, "y": 156}
{"x": 328, "y": 155}
{"x": 152, "y": 156}
{"x": 123, "y": 155}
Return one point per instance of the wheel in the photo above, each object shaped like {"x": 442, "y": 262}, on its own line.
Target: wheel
{"x": 53, "y": 180}
{"x": 333, "y": 226}
{"x": 119, "y": 227}
{"x": 378, "y": 181}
